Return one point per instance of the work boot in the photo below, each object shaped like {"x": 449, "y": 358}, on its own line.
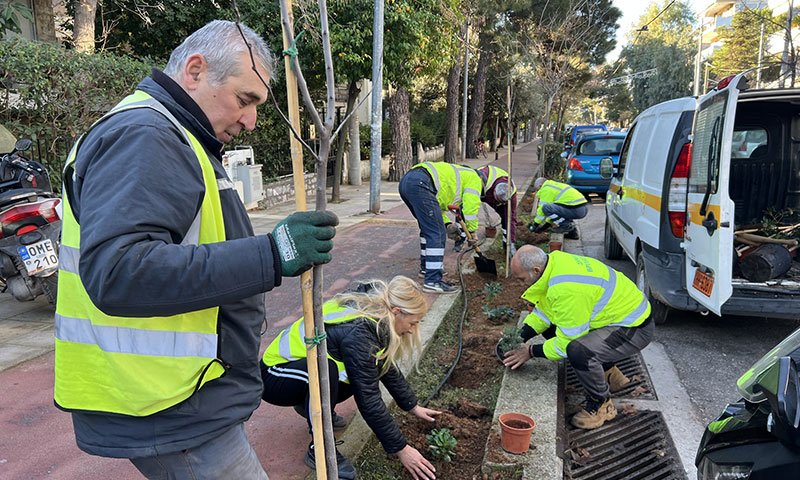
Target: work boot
{"x": 346, "y": 469}
{"x": 595, "y": 414}
{"x": 338, "y": 421}
{"x": 616, "y": 379}
{"x": 421, "y": 273}
{"x": 572, "y": 234}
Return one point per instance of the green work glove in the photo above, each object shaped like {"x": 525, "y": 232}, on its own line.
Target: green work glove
{"x": 304, "y": 239}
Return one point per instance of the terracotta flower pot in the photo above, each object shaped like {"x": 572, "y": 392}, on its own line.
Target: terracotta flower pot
{"x": 491, "y": 232}
{"x": 515, "y": 432}
{"x": 554, "y": 246}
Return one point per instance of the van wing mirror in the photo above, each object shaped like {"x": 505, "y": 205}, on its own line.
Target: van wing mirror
{"x": 788, "y": 394}
{"x": 606, "y": 168}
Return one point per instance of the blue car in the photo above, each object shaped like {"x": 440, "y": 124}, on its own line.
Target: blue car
{"x": 583, "y": 163}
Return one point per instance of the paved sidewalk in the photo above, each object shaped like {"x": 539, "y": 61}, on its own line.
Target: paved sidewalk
{"x": 41, "y": 442}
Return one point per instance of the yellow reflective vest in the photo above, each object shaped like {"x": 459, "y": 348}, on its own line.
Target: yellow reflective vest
{"x": 580, "y": 294}
{"x": 493, "y": 173}
{"x": 289, "y": 345}
{"x": 558, "y": 193}
{"x": 133, "y": 366}
{"x": 456, "y": 185}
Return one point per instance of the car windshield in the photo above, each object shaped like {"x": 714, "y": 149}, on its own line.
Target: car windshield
{"x": 747, "y": 382}
{"x": 600, "y": 146}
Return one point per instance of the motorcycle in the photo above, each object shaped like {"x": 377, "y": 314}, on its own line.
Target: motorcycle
{"x": 759, "y": 436}
{"x": 30, "y": 227}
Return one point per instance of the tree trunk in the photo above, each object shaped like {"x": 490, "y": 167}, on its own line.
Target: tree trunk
{"x": 545, "y": 136}
{"x": 478, "y": 101}
{"x": 83, "y": 29}
{"x": 402, "y": 160}
{"x": 44, "y": 19}
{"x": 451, "y": 137}
{"x": 341, "y": 143}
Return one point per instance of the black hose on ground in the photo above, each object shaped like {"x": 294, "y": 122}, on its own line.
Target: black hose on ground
{"x": 460, "y": 331}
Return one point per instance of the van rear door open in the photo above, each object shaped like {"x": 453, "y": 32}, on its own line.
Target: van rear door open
{"x": 709, "y": 209}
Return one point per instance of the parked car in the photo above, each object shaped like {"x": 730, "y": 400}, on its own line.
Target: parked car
{"x": 583, "y": 163}
{"x": 675, "y": 201}
{"x": 572, "y": 137}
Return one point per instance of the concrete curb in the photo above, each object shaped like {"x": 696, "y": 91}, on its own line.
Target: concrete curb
{"x": 358, "y": 433}
{"x": 531, "y": 390}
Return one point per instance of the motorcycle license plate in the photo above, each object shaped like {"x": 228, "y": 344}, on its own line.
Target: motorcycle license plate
{"x": 39, "y": 256}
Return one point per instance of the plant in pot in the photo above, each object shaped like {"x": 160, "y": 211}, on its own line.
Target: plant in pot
{"x": 509, "y": 341}
{"x": 442, "y": 444}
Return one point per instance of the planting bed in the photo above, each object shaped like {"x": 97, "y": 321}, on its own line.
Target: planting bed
{"x": 468, "y": 399}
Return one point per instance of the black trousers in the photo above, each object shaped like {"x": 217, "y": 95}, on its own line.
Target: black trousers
{"x": 286, "y": 385}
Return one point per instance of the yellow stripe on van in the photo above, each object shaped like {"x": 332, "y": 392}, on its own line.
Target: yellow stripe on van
{"x": 650, "y": 200}
{"x": 694, "y": 213}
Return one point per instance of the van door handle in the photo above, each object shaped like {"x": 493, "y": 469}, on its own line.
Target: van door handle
{"x": 710, "y": 223}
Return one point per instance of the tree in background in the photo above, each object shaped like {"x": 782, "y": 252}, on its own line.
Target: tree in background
{"x": 741, "y": 40}
{"x": 667, "y": 45}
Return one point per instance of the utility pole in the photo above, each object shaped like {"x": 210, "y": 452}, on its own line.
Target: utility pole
{"x": 697, "y": 60}
{"x": 787, "y": 39}
{"x": 466, "y": 90}
{"x": 377, "y": 111}
{"x": 760, "y": 54}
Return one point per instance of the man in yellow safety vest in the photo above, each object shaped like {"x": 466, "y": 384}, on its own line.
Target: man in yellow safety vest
{"x": 161, "y": 282}
{"x": 588, "y": 313}
{"x": 557, "y": 204}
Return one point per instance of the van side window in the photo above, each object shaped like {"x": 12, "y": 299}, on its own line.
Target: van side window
{"x": 707, "y": 144}
{"x": 749, "y": 142}
{"x": 626, "y": 149}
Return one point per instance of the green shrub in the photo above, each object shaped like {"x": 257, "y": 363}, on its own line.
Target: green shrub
{"x": 553, "y": 163}
{"x": 492, "y": 289}
{"x": 442, "y": 444}
{"x": 498, "y": 315}
{"x": 52, "y": 95}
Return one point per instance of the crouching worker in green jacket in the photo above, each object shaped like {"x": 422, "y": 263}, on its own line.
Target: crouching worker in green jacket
{"x": 368, "y": 330}
{"x": 588, "y": 313}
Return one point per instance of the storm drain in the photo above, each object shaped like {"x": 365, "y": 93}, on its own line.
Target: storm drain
{"x": 634, "y": 446}
{"x": 641, "y": 387}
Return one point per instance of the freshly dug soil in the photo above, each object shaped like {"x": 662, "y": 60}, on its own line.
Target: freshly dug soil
{"x": 519, "y": 424}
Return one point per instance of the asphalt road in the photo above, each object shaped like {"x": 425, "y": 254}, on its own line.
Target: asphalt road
{"x": 709, "y": 353}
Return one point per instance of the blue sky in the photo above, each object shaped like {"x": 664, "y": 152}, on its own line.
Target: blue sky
{"x": 631, "y": 11}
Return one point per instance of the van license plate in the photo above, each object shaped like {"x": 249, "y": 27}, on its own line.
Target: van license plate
{"x": 39, "y": 256}
{"x": 703, "y": 283}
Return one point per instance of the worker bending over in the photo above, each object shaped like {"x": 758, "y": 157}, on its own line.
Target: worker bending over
{"x": 499, "y": 192}
{"x": 557, "y": 204}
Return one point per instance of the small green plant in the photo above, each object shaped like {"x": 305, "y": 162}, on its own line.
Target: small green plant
{"x": 442, "y": 444}
{"x": 492, "y": 289}
{"x": 498, "y": 315}
{"x": 509, "y": 341}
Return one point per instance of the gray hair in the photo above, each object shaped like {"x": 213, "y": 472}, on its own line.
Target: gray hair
{"x": 537, "y": 184}
{"x": 530, "y": 257}
{"x": 221, "y": 44}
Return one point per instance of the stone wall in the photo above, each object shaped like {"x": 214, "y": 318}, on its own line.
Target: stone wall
{"x": 281, "y": 189}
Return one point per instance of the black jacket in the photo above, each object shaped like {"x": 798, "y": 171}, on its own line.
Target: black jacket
{"x": 356, "y": 343}
{"x": 136, "y": 190}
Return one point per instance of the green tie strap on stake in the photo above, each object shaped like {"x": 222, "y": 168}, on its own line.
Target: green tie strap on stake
{"x": 317, "y": 339}
{"x": 292, "y": 50}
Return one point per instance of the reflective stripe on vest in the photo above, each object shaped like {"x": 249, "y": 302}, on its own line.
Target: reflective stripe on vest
{"x": 131, "y": 365}
{"x": 289, "y": 345}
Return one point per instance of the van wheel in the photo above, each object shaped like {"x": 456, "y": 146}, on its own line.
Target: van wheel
{"x": 658, "y": 311}
{"x": 611, "y": 247}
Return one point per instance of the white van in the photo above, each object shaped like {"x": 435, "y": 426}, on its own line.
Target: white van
{"x": 688, "y": 177}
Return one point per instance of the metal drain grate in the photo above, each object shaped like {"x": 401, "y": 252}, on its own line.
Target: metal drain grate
{"x": 630, "y": 447}
{"x": 634, "y": 368}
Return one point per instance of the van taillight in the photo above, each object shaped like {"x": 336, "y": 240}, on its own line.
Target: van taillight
{"x": 677, "y": 191}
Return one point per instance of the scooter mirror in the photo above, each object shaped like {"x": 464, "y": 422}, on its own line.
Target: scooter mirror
{"x": 23, "y": 144}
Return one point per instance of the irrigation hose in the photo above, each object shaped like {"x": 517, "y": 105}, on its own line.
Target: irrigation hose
{"x": 460, "y": 331}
